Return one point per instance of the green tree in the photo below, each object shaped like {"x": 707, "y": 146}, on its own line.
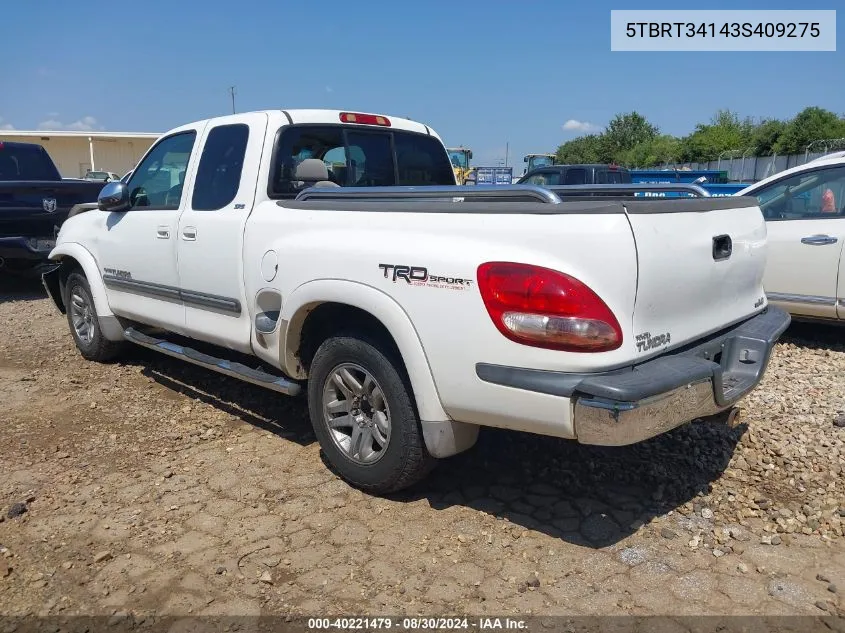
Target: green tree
{"x": 584, "y": 149}
{"x": 724, "y": 132}
{"x": 811, "y": 124}
{"x": 626, "y": 131}
{"x": 657, "y": 151}
{"x": 765, "y": 136}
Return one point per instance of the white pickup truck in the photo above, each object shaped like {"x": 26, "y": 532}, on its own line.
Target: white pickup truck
{"x": 335, "y": 253}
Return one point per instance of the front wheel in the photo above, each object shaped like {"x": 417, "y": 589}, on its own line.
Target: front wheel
{"x": 364, "y": 417}
{"x": 83, "y": 321}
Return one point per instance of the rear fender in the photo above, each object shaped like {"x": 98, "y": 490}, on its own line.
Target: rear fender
{"x": 309, "y": 295}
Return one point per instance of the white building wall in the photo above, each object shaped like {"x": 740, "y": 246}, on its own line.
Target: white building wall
{"x": 119, "y": 155}
{"x": 72, "y": 154}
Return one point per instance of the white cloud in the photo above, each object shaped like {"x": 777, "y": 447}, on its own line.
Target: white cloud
{"x": 85, "y": 124}
{"x": 573, "y": 125}
{"x": 50, "y": 124}
{"x": 5, "y": 126}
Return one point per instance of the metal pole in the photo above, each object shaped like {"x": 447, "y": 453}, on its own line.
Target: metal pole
{"x": 232, "y": 92}
{"x": 91, "y": 151}
{"x": 507, "y": 151}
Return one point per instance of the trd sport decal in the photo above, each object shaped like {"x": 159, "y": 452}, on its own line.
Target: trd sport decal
{"x": 419, "y": 276}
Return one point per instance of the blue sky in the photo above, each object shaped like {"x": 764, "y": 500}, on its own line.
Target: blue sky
{"x": 483, "y": 74}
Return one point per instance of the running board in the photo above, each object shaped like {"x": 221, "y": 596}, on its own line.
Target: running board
{"x": 220, "y": 365}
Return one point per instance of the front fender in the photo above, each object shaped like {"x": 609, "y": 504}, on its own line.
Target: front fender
{"x": 109, "y": 324}
{"x": 307, "y": 296}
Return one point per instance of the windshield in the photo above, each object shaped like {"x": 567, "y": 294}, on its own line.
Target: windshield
{"x": 97, "y": 174}
{"x": 536, "y": 162}
{"x": 458, "y": 158}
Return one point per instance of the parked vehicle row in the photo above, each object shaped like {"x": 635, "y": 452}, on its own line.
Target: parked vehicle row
{"x": 408, "y": 310}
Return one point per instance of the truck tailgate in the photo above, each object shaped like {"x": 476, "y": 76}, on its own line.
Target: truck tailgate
{"x": 700, "y": 268}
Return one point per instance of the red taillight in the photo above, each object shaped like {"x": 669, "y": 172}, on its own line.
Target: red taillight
{"x": 546, "y": 308}
{"x": 367, "y": 119}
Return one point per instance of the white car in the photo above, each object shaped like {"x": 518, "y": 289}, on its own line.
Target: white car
{"x": 804, "y": 208}
{"x": 104, "y": 176}
{"x": 411, "y": 311}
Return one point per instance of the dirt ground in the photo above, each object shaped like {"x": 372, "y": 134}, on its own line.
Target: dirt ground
{"x": 148, "y": 486}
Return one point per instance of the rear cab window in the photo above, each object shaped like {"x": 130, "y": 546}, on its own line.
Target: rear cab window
{"x": 610, "y": 177}
{"x": 26, "y": 162}
{"x": 355, "y": 156}
{"x": 575, "y": 176}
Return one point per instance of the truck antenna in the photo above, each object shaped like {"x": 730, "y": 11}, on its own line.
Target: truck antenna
{"x": 232, "y": 92}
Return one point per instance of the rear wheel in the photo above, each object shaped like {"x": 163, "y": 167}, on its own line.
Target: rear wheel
{"x": 364, "y": 416}
{"x": 83, "y": 321}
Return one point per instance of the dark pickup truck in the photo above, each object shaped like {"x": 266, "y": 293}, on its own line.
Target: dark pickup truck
{"x": 592, "y": 174}
{"x": 34, "y": 201}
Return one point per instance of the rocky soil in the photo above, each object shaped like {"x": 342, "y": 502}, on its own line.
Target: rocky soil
{"x": 148, "y": 486}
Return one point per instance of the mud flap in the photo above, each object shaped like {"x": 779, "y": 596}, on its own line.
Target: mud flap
{"x": 51, "y": 280}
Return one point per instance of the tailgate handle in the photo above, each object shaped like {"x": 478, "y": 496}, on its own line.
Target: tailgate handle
{"x": 722, "y": 247}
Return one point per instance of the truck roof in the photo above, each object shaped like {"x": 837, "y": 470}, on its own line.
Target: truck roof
{"x": 297, "y": 116}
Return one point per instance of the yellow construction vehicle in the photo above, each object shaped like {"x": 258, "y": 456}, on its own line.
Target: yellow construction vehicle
{"x": 460, "y": 157}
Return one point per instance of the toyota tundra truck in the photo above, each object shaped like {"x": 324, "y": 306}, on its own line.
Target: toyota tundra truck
{"x": 331, "y": 255}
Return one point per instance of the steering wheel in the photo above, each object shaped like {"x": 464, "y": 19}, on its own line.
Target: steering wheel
{"x": 139, "y": 198}
{"x": 173, "y": 196}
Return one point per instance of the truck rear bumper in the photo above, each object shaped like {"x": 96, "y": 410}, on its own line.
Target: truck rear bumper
{"x": 31, "y": 250}
{"x": 633, "y": 404}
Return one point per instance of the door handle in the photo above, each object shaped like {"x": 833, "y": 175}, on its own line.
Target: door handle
{"x": 189, "y": 233}
{"x": 163, "y": 232}
{"x": 818, "y": 240}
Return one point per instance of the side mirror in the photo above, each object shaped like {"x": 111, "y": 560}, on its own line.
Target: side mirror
{"x": 113, "y": 197}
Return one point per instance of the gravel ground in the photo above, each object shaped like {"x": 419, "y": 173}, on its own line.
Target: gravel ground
{"x": 150, "y": 486}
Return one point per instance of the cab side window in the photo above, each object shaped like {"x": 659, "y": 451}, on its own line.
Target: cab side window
{"x": 157, "y": 182}
{"x": 819, "y": 193}
{"x": 219, "y": 172}
{"x": 576, "y": 176}
{"x": 545, "y": 178}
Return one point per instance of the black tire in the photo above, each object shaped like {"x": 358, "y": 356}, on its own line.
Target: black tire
{"x": 404, "y": 460}
{"x": 97, "y": 347}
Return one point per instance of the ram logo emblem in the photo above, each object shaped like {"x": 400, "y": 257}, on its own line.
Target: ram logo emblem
{"x": 49, "y": 204}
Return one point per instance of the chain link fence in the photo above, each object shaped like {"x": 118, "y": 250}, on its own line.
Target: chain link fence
{"x": 741, "y": 166}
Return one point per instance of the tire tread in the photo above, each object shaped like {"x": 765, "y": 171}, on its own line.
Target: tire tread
{"x": 102, "y": 350}
{"x": 416, "y": 463}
